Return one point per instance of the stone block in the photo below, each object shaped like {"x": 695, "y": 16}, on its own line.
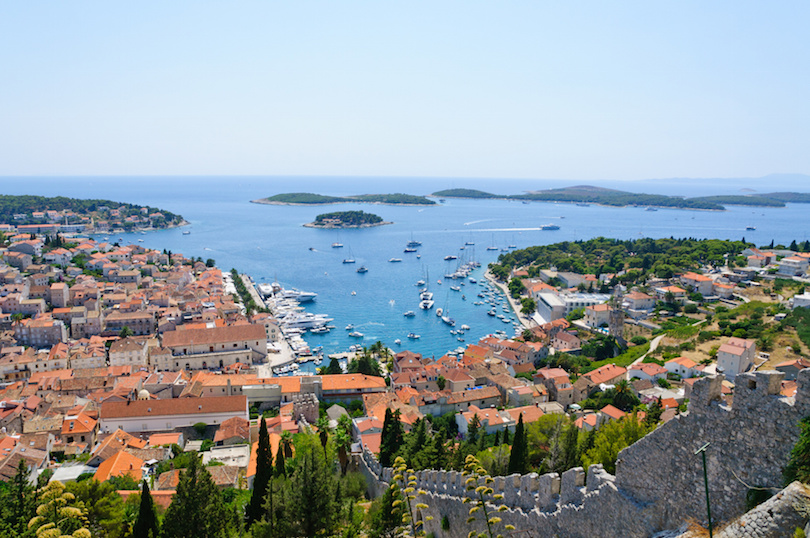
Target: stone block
{"x": 571, "y": 486}
{"x": 548, "y": 489}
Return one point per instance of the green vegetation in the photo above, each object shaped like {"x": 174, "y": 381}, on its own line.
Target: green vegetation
{"x": 798, "y": 466}
{"x": 347, "y": 219}
{"x": 640, "y": 258}
{"x": 464, "y": 193}
{"x": 598, "y": 195}
{"x": 612, "y": 438}
{"x": 314, "y": 199}
{"x": 100, "y": 209}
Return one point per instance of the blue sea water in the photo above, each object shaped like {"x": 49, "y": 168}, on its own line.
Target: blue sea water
{"x": 270, "y": 243}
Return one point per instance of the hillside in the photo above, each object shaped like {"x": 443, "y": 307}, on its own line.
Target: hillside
{"x": 308, "y": 198}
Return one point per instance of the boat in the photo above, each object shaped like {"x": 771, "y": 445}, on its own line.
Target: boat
{"x": 468, "y": 243}
{"x": 460, "y": 339}
{"x": 473, "y": 281}
{"x": 349, "y": 327}
{"x": 354, "y": 293}
{"x": 409, "y": 249}
{"x": 395, "y": 260}
{"x": 492, "y": 248}
{"x": 650, "y": 209}
{"x": 140, "y": 240}
{"x": 491, "y": 313}
{"x": 356, "y": 334}
{"x": 549, "y": 227}
{"x": 362, "y": 269}
{"x": 337, "y": 245}
{"x": 750, "y": 227}
{"x": 583, "y": 205}
{"x": 413, "y": 243}
{"x": 455, "y": 288}
{"x": 348, "y": 260}
{"x": 449, "y": 321}
{"x": 426, "y": 304}
{"x": 187, "y": 232}
{"x": 512, "y": 246}
{"x": 398, "y": 341}
{"x": 425, "y": 295}
{"x": 439, "y": 312}
{"x": 465, "y": 327}
{"x": 420, "y": 283}
{"x": 450, "y": 257}
{"x": 414, "y": 336}
{"x": 319, "y": 330}
{"x": 409, "y": 314}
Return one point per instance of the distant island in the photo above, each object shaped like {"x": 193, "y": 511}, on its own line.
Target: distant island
{"x": 38, "y": 213}
{"x": 308, "y": 198}
{"x": 611, "y": 197}
{"x": 347, "y": 219}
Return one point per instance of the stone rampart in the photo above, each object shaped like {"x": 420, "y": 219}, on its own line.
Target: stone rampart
{"x": 659, "y": 480}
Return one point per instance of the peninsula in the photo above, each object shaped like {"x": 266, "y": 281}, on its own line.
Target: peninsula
{"x": 40, "y": 213}
{"x": 347, "y": 219}
{"x": 598, "y": 195}
{"x": 308, "y": 198}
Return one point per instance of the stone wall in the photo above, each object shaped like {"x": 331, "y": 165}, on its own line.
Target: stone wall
{"x": 659, "y": 480}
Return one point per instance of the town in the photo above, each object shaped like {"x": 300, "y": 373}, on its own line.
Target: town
{"x": 118, "y": 361}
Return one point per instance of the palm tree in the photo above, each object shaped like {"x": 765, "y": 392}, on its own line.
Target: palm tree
{"x": 286, "y": 444}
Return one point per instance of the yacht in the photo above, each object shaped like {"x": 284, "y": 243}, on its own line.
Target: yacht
{"x": 348, "y": 260}
{"x": 187, "y": 232}
{"x": 427, "y": 304}
{"x": 455, "y": 288}
{"x": 337, "y": 245}
{"x": 349, "y": 327}
{"x": 492, "y": 248}
{"x": 398, "y": 341}
{"x": 409, "y": 314}
{"x": 751, "y": 228}
{"x": 409, "y": 249}
{"x": 450, "y": 257}
{"x": 356, "y": 334}
{"x": 362, "y": 269}
{"x": 395, "y": 260}
{"x": 549, "y": 227}
{"x": 449, "y": 321}
{"x": 413, "y": 336}
{"x": 426, "y": 295}
{"x": 420, "y": 283}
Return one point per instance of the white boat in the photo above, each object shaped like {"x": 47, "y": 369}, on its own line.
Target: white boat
{"x": 337, "y": 245}
{"x": 426, "y": 305}
{"x": 362, "y": 269}
{"x": 349, "y": 327}
{"x": 439, "y": 312}
{"x": 450, "y": 257}
{"x": 449, "y": 321}
{"x": 187, "y": 232}
{"x": 420, "y": 283}
{"x": 414, "y": 336}
{"x": 398, "y": 341}
{"x": 395, "y": 260}
{"x": 425, "y": 296}
{"x": 409, "y": 314}
{"x": 455, "y": 288}
{"x": 465, "y": 327}
{"x": 348, "y": 260}
{"x": 356, "y": 334}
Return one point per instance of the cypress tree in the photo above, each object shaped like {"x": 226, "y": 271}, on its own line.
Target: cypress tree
{"x": 197, "y": 508}
{"x": 517, "y": 457}
{"x": 506, "y": 435}
{"x": 146, "y": 526}
{"x": 391, "y": 438}
{"x": 281, "y": 462}
{"x": 264, "y": 471}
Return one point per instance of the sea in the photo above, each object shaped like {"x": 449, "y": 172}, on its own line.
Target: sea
{"x": 270, "y": 243}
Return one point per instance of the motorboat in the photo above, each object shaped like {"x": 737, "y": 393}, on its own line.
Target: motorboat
{"x": 414, "y": 336}
{"x": 395, "y": 260}
{"x": 450, "y": 257}
{"x": 349, "y": 327}
{"x": 337, "y": 245}
{"x": 356, "y": 334}
{"x": 409, "y": 249}
{"x": 398, "y": 341}
{"x": 426, "y": 304}
{"x": 409, "y": 314}
{"x": 362, "y": 269}
{"x": 549, "y": 227}
{"x": 349, "y": 260}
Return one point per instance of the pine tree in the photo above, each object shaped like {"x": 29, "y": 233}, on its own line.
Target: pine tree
{"x": 517, "y": 459}
{"x": 197, "y": 508}
{"x": 146, "y": 526}
{"x": 264, "y": 472}
{"x": 570, "y": 454}
{"x": 312, "y": 496}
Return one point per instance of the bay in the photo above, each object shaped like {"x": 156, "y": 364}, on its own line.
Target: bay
{"x": 270, "y": 243}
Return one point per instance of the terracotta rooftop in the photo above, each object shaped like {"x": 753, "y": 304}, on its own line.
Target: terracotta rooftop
{"x": 175, "y": 406}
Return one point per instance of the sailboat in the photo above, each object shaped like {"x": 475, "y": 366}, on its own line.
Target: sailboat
{"x": 350, "y": 259}
{"x": 492, "y": 246}
{"x": 337, "y": 244}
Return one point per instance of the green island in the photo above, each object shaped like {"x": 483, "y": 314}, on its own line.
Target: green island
{"x": 308, "y": 198}
{"x": 598, "y": 195}
{"x": 346, "y": 219}
{"x": 72, "y": 214}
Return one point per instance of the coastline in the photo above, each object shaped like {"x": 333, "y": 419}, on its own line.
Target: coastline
{"x": 527, "y": 323}
{"x": 264, "y": 201}
{"x": 334, "y": 227}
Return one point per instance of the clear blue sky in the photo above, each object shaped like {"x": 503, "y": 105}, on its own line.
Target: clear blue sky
{"x": 580, "y": 90}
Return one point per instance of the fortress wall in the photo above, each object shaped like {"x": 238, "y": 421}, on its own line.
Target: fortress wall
{"x": 659, "y": 479}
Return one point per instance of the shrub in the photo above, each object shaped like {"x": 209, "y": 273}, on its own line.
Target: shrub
{"x": 200, "y": 428}
{"x": 638, "y": 340}
{"x": 690, "y": 309}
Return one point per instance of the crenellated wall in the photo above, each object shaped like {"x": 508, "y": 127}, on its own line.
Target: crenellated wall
{"x": 659, "y": 480}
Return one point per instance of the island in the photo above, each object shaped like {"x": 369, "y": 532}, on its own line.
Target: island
{"x": 588, "y": 194}
{"x": 308, "y": 198}
{"x": 347, "y": 219}
{"x": 40, "y": 213}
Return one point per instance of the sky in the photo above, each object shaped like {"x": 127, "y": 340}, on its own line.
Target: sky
{"x": 583, "y": 90}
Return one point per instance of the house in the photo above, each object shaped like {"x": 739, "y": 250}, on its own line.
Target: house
{"x": 678, "y": 294}
{"x": 122, "y": 463}
{"x": 609, "y": 374}
{"x": 699, "y": 283}
{"x": 792, "y": 368}
{"x": 490, "y": 420}
{"x": 162, "y": 415}
{"x": 722, "y": 290}
{"x": 638, "y": 304}
{"x": 217, "y": 347}
{"x": 80, "y": 428}
{"x": 793, "y": 266}
{"x": 557, "y": 383}
{"x": 682, "y": 366}
{"x": 597, "y": 315}
{"x": 129, "y": 352}
{"x": 736, "y": 356}
{"x": 565, "y": 341}
{"x": 232, "y": 431}
{"x": 649, "y": 371}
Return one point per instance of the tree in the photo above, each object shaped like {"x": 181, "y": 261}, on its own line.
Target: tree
{"x": 312, "y": 506}
{"x": 58, "y": 514}
{"x": 517, "y": 458}
{"x": 612, "y": 438}
{"x": 197, "y": 509}
{"x": 105, "y": 508}
{"x": 17, "y": 503}
{"x": 386, "y": 517}
{"x": 391, "y": 437}
{"x": 146, "y": 526}
{"x": 125, "y": 332}
{"x": 798, "y": 466}
{"x": 264, "y": 472}
{"x": 441, "y": 382}
{"x": 570, "y": 454}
